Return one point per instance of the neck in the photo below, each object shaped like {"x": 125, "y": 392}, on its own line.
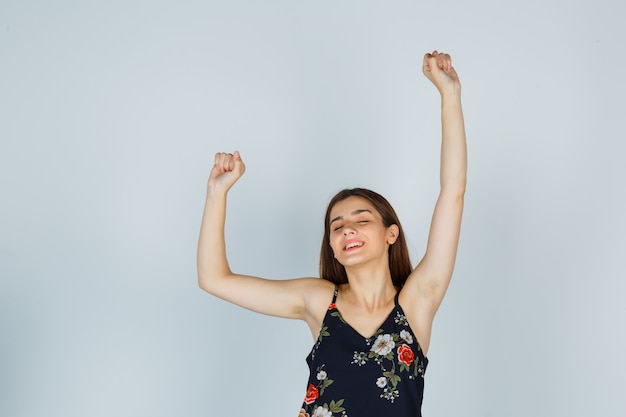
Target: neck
{"x": 369, "y": 288}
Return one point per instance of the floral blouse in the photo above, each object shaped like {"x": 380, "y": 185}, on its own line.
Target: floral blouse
{"x": 353, "y": 376}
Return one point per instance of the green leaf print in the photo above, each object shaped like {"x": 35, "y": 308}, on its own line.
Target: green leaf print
{"x": 392, "y": 377}
{"x": 336, "y": 406}
{"x": 324, "y": 332}
{"x": 325, "y": 384}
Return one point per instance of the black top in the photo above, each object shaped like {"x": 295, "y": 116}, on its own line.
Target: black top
{"x": 354, "y": 376}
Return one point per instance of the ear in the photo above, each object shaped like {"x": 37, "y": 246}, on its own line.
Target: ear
{"x": 392, "y": 234}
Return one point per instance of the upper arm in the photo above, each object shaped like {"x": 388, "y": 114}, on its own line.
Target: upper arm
{"x": 291, "y": 298}
{"x": 430, "y": 279}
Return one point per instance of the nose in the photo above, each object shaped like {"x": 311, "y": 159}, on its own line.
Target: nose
{"x": 348, "y": 230}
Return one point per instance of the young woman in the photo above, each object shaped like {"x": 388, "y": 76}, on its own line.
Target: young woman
{"x": 371, "y": 313}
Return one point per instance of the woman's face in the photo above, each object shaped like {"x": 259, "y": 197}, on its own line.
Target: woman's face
{"x": 357, "y": 233}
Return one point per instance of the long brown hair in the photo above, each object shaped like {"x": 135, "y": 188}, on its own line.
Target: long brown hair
{"x": 399, "y": 261}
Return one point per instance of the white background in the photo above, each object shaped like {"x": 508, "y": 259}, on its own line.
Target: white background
{"x": 110, "y": 113}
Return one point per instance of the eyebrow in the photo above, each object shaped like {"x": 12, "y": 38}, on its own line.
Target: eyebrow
{"x": 354, "y": 213}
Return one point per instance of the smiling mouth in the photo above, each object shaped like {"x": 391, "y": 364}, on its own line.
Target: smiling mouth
{"x": 352, "y": 245}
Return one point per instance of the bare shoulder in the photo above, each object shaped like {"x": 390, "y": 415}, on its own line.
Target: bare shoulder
{"x": 319, "y": 295}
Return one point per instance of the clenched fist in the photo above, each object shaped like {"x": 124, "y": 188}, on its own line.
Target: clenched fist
{"x": 227, "y": 169}
{"x": 437, "y": 67}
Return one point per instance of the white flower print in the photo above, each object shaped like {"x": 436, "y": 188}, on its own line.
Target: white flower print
{"x": 321, "y": 375}
{"x": 322, "y": 412}
{"x": 401, "y": 319}
{"x": 406, "y": 336}
{"x": 381, "y": 382}
{"x": 383, "y": 345}
{"x": 390, "y": 394}
{"x": 359, "y": 358}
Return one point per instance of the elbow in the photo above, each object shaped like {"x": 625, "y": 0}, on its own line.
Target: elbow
{"x": 454, "y": 190}
{"x": 204, "y": 282}
{"x": 454, "y": 185}
{"x": 459, "y": 191}
{"x": 210, "y": 281}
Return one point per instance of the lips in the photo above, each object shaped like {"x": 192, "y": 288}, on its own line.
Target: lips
{"x": 353, "y": 244}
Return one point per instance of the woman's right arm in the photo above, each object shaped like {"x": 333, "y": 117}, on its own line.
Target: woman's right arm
{"x": 296, "y": 298}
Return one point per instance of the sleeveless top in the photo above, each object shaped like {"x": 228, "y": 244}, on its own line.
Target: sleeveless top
{"x": 354, "y": 376}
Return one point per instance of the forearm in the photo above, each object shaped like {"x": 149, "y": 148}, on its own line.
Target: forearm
{"x": 453, "y": 169}
{"x": 212, "y": 260}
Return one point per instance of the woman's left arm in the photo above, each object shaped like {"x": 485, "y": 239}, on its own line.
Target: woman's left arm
{"x": 429, "y": 281}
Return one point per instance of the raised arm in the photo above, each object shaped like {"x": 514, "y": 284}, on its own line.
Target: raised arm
{"x": 282, "y": 298}
{"x": 429, "y": 281}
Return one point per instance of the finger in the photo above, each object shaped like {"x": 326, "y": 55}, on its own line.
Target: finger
{"x": 217, "y": 163}
{"x": 428, "y": 60}
{"x": 228, "y": 162}
{"x": 444, "y": 61}
{"x": 439, "y": 62}
{"x": 436, "y": 61}
{"x": 440, "y": 58}
{"x": 238, "y": 165}
{"x": 223, "y": 162}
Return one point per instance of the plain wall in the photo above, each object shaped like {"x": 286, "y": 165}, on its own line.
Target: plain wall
{"x": 111, "y": 112}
